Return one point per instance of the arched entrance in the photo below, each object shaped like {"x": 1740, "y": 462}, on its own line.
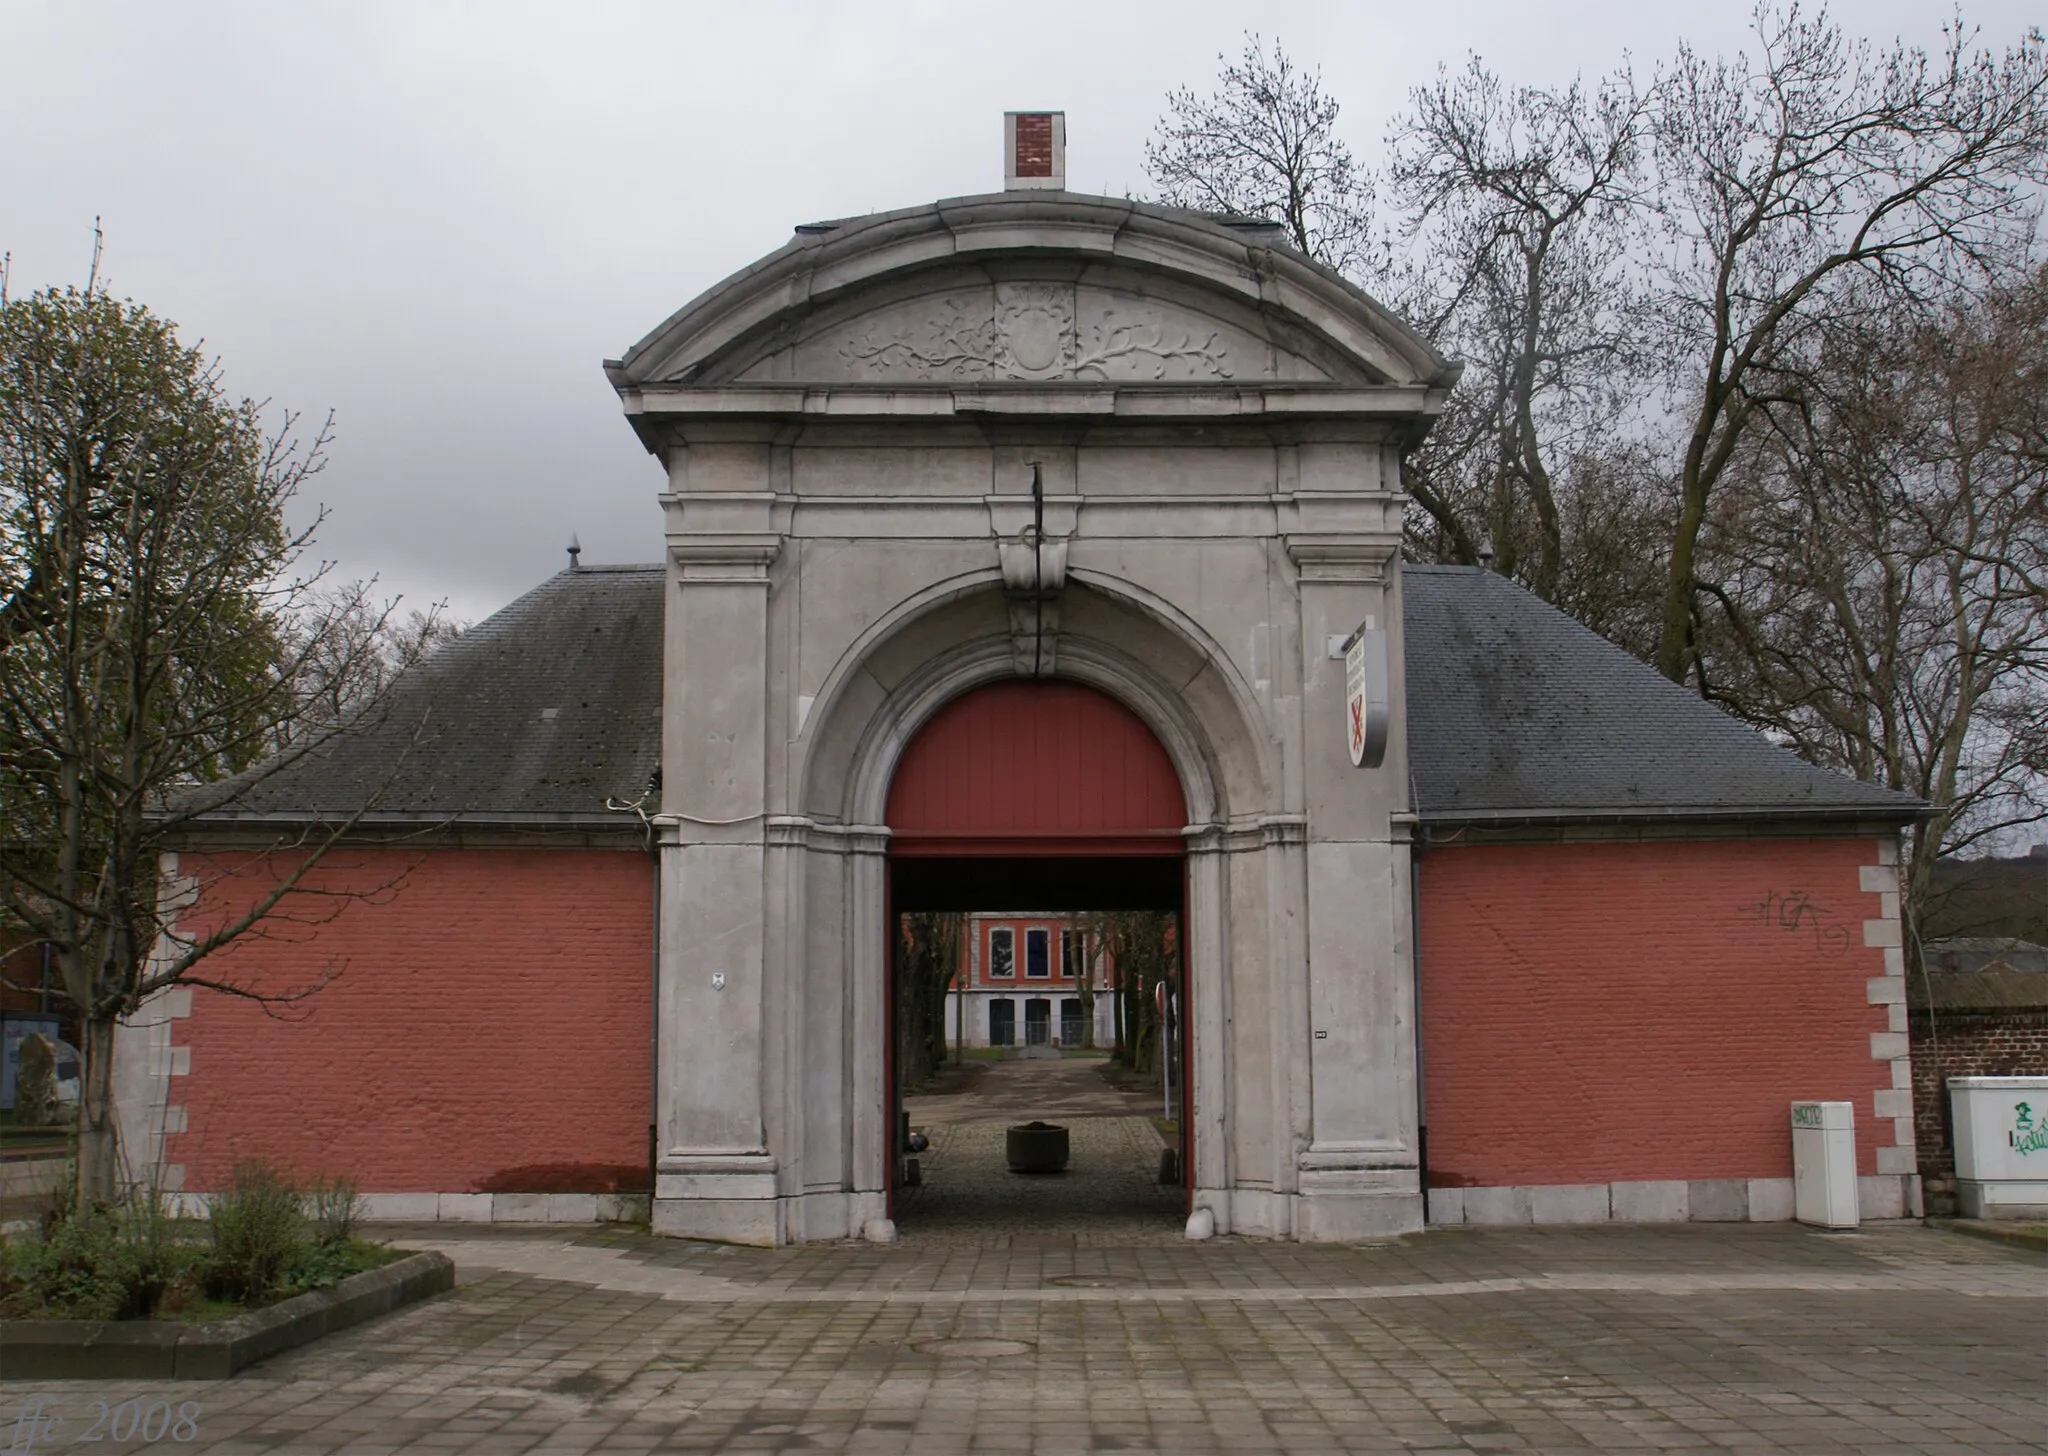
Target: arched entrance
{"x": 875, "y": 504}
{"x": 1020, "y": 802}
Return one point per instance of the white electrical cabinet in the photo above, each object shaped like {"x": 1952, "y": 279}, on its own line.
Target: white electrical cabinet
{"x": 1824, "y": 1163}
{"x": 2001, "y": 1127}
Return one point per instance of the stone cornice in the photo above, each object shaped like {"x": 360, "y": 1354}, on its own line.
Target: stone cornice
{"x": 1240, "y": 836}
{"x": 724, "y": 558}
{"x": 651, "y": 403}
{"x": 1343, "y": 558}
{"x": 798, "y": 831}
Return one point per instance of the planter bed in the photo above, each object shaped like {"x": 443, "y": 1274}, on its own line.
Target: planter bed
{"x": 167, "y": 1350}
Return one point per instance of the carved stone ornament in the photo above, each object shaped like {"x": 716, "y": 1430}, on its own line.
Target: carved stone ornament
{"x": 1031, "y": 333}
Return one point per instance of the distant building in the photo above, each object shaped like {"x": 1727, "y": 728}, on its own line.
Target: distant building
{"x": 1027, "y": 981}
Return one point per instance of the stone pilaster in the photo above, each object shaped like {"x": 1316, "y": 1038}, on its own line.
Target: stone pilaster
{"x": 715, "y": 1173}
{"x": 1359, "y": 1174}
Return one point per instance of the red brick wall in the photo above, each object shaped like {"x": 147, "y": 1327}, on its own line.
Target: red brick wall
{"x": 486, "y": 1027}
{"x": 976, "y": 960}
{"x": 1594, "y": 1013}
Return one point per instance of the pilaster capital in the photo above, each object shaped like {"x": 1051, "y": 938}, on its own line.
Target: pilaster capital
{"x": 1240, "y": 836}
{"x": 724, "y": 558}
{"x": 1342, "y": 559}
{"x": 676, "y": 830}
{"x": 871, "y": 839}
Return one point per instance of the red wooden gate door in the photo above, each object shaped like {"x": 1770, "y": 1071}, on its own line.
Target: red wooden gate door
{"x": 1038, "y": 770}
{"x": 1035, "y": 767}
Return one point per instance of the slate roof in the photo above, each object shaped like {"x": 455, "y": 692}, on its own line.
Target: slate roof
{"x": 535, "y": 715}
{"x": 1986, "y": 974}
{"x": 1518, "y": 714}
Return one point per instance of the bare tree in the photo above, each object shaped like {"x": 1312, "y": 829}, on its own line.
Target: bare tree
{"x": 155, "y": 633}
{"x": 342, "y": 650}
{"x": 1876, "y": 569}
{"x": 1519, "y": 215}
{"x": 1140, "y": 948}
{"x": 1082, "y": 956}
{"x": 928, "y": 965}
{"x": 1820, "y": 167}
{"x": 1265, "y": 144}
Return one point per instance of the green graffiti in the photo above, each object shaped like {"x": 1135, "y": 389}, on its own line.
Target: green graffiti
{"x": 2028, "y": 1136}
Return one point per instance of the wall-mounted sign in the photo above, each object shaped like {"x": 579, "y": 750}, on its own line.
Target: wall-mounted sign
{"x": 1366, "y": 705}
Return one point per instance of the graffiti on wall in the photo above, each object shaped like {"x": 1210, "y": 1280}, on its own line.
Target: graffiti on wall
{"x": 2027, "y": 1135}
{"x": 1794, "y": 913}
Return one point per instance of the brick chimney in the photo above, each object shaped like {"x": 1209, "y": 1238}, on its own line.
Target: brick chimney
{"x": 1034, "y": 150}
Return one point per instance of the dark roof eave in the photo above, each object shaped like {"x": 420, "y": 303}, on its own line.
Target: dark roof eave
{"x": 417, "y": 819}
{"x": 1896, "y": 813}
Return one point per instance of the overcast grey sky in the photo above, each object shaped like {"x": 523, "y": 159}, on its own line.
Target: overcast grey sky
{"x": 437, "y": 219}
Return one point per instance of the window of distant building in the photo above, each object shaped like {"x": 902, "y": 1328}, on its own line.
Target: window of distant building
{"x": 1038, "y": 953}
{"x": 1073, "y": 954}
{"x": 1002, "y": 952}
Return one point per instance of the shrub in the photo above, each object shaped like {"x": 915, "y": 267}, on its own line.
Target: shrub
{"x": 335, "y": 1210}
{"x": 155, "y": 1262}
{"x": 74, "y": 1271}
{"x": 135, "y": 1261}
{"x": 258, "y": 1229}
{"x": 111, "y": 1263}
{"x": 320, "y": 1266}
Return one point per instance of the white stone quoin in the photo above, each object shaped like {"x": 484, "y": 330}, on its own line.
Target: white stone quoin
{"x": 850, "y": 430}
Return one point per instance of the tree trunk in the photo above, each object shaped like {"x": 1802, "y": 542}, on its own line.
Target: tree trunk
{"x": 1084, "y": 982}
{"x": 1675, "y": 635}
{"x": 1141, "y": 1039}
{"x": 1122, "y": 1051}
{"x": 98, "y": 1182}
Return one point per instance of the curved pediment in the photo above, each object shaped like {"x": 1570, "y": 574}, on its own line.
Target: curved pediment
{"x": 1107, "y": 325}
{"x": 1031, "y": 288}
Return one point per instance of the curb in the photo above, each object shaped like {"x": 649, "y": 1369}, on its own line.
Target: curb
{"x": 2019, "y": 1238}
{"x": 164, "y": 1350}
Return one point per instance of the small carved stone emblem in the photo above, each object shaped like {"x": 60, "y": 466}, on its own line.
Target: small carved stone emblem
{"x": 1035, "y": 325}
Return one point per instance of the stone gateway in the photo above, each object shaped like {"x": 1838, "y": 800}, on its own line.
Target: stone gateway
{"x": 1098, "y": 493}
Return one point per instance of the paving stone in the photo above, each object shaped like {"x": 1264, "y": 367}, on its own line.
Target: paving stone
{"x": 1700, "y": 1337}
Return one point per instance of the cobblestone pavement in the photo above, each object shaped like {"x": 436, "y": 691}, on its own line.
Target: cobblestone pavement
{"x": 1733, "y": 1338}
{"x": 1109, "y": 1193}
